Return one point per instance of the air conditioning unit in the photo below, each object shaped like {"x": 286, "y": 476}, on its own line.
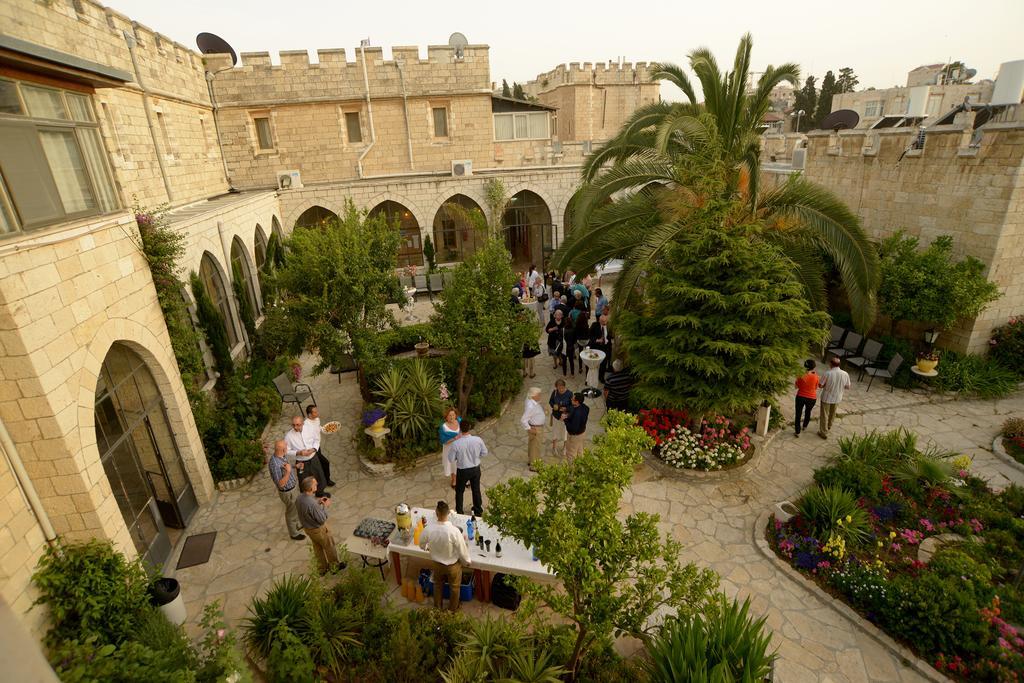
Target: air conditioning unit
{"x": 799, "y": 158}
{"x": 462, "y": 168}
{"x": 289, "y": 180}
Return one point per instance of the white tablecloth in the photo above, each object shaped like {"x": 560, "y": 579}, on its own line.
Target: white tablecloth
{"x": 515, "y": 558}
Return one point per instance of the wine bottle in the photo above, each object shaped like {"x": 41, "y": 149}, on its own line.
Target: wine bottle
{"x": 497, "y": 548}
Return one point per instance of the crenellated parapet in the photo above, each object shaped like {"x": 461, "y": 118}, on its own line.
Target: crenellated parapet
{"x": 338, "y": 75}
{"x": 587, "y": 73}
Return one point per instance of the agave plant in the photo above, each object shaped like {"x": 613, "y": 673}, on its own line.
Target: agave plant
{"x": 532, "y": 667}
{"x": 834, "y": 510}
{"x": 639, "y": 188}
{"x": 410, "y": 393}
{"x": 333, "y": 634}
{"x": 721, "y": 646}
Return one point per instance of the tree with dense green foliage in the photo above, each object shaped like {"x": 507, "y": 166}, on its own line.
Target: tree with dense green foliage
{"x": 474, "y": 321}
{"x": 213, "y": 325}
{"x": 505, "y": 90}
{"x": 807, "y": 101}
{"x": 723, "y": 325}
{"x": 272, "y": 262}
{"x": 847, "y": 80}
{"x": 640, "y": 188}
{"x": 927, "y": 285}
{"x": 612, "y": 573}
{"x": 517, "y": 92}
{"x": 430, "y": 254}
{"x": 245, "y": 306}
{"x": 824, "y": 106}
{"x": 336, "y": 284}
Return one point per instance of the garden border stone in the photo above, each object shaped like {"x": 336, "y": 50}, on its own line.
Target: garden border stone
{"x": 232, "y": 484}
{"x": 666, "y": 470}
{"x": 388, "y": 469}
{"x": 878, "y": 635}
{"x": 1000, "y": 452}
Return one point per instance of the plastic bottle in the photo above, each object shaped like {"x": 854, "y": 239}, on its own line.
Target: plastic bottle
{"x": 416, "y": 534}
{"x": 471, "y": 527}
{"x": 419, "y": 593}
{"x": 533, "y": 553}
{"x": 405, "y": 588}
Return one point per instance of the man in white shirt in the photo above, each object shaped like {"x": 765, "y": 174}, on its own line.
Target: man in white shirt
{"x": 305, "y": 455}
{"x": 833, "y": 383}
{"x": 533, "y": 421}
{"x": 448, "y": 552}
{"x": 464, "y": 454}
{"x": 311, "y": 433}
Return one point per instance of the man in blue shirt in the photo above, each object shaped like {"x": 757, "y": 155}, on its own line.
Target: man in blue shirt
{"x": 465, "y": 453}
{"x": 576, "y": 426}
{"x": 282, "y": 473}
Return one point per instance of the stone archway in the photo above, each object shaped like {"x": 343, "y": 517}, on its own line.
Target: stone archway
{"x": 410, "y": 248}
{"x": 456, "y": 235}
{"x": 215, "y": 281}
{"x": 528, "y": 231}
{"x": 259, "y": 246}
{"x": 314, "y": 217}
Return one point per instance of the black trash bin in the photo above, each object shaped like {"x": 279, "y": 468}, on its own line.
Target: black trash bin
{"x": 165, "y": 593}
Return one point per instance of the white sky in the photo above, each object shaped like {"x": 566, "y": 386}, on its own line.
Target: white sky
{"x": 880, "y": 39}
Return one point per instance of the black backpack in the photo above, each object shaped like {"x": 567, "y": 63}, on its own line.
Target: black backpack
{"x": 503, "y": 594}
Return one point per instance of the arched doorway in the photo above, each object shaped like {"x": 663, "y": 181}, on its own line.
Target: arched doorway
{"x": 314, "y": 217}
{"x": 210, "y": 274}
{"x": 527, "y": 227}
{"x": 260, "y": 246}
{"x": 410, "y": 248}
{"x": 139, "y": 454}
{"x": 242, "y": 274}
{"x": 456, "y": 235}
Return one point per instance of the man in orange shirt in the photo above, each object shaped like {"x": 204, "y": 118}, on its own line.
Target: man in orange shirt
{"x": 806, "y": 395}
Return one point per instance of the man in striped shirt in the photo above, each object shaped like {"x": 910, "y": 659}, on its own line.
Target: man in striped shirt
{"x": 282, "y": 473}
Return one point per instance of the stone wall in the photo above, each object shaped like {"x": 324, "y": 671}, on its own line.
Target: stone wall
{"x": 172, "y": 75}
{"x": 21, "y": 543}
{"x": 975, "y": 194}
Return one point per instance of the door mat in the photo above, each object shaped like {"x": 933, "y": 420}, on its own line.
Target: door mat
{"x": 197, "y": 550}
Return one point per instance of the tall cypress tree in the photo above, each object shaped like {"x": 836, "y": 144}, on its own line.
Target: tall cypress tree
{"x": 824, "y": 107}
{"x": 723, "y": 325}
{"x": 807, "y": 100}
{"x": 847, "y": 81}
{"x": 505, "y": 90}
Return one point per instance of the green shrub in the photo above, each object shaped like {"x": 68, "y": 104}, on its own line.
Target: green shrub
{"x": 91, "y": 590}
{"x": 832, "y": 510}
{"x": 856, "y": 477}
{"x": 954, "y": 564}
{"x": 880, "y": 451}
{"x": 289, "y": 660}
{"x": 726, "y": 644}
{"x": 404, "y": 338}
{"x": 936, "y": 614}
{"x": 213, "y": 325}
{"x": 974, "y": 375}
{"x": 277, "y": 337}
{"x": 287, "y": 604}
{"x": 1013, "y": 427}
{"x": 1006, "y": 345}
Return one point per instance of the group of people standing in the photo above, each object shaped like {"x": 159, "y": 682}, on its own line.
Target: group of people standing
{"x": 301, "y": 473}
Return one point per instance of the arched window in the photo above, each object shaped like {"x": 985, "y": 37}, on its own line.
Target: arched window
{"x": 527, "y": 227}
{"x": 260, "y": 246}
{"x": 139, "y": 453}
{"x": 314, "y": 217}
{"x": 242, "y": 270}
{"x": 410, "y": 249}
{"x": 210, "y": 274}
{"x": 455, "y": 233}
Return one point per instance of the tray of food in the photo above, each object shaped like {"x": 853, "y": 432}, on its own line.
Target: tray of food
{"x": 377, "y": 531}
{"x": 331, "y": 427}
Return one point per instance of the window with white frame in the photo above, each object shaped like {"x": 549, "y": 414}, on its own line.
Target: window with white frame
{"x": 873, "y": 108}
{"x": 522, "y": 126}
{"x": 53, "y": 166}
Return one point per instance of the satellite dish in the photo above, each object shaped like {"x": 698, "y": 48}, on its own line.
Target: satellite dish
{"x": 210, "y": 44}
{"x": 969, "y": 74}
{"x": 840, "y": 119}
{"x": 458, "y": 42}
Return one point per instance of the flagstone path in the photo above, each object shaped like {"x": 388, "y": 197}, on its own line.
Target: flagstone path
{"x": 714, "y": 517}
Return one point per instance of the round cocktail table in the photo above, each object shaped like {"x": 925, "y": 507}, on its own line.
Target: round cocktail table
{"x": 592, "y": 358}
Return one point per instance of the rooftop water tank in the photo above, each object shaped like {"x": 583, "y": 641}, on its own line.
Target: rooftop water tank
{"x": 1009, "y": 87}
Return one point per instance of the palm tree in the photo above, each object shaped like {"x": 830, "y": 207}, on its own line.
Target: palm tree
{"x": 640, "y": 186}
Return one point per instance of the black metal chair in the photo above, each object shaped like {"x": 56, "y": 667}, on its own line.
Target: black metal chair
{"x": 293, "y": 394}
{"x": 888, "y": 372}
{"x": 835, "y": 339}
{"x": 851, "y": 345}
{"x": 867, "y": 357}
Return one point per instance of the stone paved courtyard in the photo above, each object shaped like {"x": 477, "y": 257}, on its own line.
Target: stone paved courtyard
{"x": 714, "y": 517}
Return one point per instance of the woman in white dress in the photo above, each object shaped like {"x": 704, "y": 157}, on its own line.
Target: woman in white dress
{"x": 448, "y": 432}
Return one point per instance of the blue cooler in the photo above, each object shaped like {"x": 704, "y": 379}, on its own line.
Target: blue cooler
{"x": 465, "y": 590}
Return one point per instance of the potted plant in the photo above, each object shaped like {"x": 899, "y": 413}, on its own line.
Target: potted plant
{"x": 927, "y": 360}
{"x": 374, "y": 419}
{"x": 422, "y": 348}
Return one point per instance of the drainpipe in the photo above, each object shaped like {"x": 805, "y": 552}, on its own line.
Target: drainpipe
{"x": 216, "y": 126}
{"x": 25, "y": 484}
{"x": 405, "y": 108}
{"x": 369, "y": 111}
{"x": 130, "y": 41}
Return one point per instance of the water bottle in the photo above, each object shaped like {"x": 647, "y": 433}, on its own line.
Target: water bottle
{"x": 470, "y": 527}
{"x": 533, "y": 553}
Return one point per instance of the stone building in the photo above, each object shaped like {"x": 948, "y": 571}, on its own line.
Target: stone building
{"x": 964, "y": 181}
{"x": 99, "y": 114}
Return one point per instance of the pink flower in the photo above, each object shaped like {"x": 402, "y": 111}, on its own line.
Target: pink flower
{"x": 895, "y": 547}
{"x": 220, "y": 634}
{"x": 926, "y": 524}
{"x": 976, "y": 526}
{"x": 912, "y": 536}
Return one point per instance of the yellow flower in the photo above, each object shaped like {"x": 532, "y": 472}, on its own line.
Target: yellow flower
{"x": 879, "y": 544}
{"x": 849, "y": 518}
{"x": 839, "y": 522}
{"x": 892, "y": 534}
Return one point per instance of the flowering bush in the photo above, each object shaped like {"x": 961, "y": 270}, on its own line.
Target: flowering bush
{"x": 443, "y": 392}
{"x": 1007, "y": 344}
{"x": 372, "y": 415}
{"x": 684, "y": 449}
{"x": 957, "y": 609}
{"x": 659, "y": 423}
